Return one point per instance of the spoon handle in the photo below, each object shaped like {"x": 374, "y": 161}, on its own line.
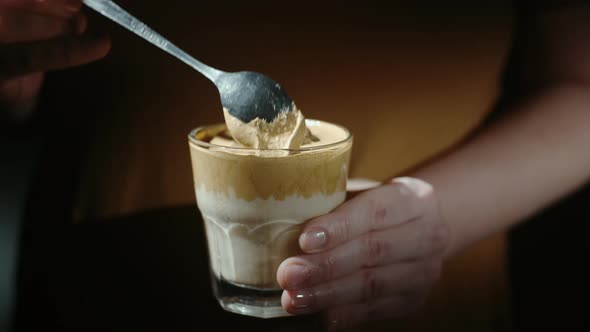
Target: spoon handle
{"x": 117, "y": 14}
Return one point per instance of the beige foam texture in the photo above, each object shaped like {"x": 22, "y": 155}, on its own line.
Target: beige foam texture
{"x": 250, "y": 176}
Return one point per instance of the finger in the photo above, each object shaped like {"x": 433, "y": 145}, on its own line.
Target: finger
{"x": 21, "y": 26}
{"x": 410, "y": 241}
{"x": 386, "y": 206}
{"x": 364, "y": 286}
{"x": 346, "y": 316}
{"x": 80, "y": 23}
{"x": 21, "y": 89}
{"x": 16, "y": 60}
{"x": 57, "y": 8}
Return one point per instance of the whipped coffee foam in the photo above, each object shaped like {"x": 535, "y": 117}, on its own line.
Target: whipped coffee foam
{"x": 320, "y": 167}
{"x": 286, "y": 131}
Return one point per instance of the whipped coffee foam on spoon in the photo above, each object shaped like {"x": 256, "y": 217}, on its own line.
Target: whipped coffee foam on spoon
{"x": 286, "y": 131}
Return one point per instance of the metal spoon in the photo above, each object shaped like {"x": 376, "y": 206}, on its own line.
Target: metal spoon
{"x": 246, "y": 95}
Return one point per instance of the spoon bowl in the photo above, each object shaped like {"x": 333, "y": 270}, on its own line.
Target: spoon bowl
{"x": 249, "y": 95}
{"x": 246, "y": 95}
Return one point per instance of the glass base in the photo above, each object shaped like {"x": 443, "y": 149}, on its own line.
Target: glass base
{"x": 248, "y": 301}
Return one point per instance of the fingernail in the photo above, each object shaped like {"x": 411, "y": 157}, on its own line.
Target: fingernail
{"x": 297, "y": 275}
{"x": 419, "y": 187}
{"x": 302, "y": 299}
{"x": 313, "y": 240}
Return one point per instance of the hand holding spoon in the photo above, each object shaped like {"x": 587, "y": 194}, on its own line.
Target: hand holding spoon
{"x": 246, "y": 95}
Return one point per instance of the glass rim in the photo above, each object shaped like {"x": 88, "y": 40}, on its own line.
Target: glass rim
{"x": 193, "y": 140}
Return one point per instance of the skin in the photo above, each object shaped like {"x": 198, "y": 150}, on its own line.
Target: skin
{"x": 37, "y": 36}
{"x": 378, "y": 255}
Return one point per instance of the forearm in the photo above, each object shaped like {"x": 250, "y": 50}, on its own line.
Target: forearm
{"x": 516, "y": 166}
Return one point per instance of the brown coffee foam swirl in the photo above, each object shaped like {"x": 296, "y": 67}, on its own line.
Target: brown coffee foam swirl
{"x": 305, "y": 172}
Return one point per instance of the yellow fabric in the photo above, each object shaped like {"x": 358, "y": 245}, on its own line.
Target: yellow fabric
{"x": 409, "y": 80}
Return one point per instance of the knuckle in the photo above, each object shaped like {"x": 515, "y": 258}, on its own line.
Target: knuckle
{"x": 439, "y": 238}
{"x": 377, "y": 214}
{"x": 327, "y": 268}
{"x": 371, "y": 286}
{"x": 342, "y": 230}
{"x": 375, "y": 249}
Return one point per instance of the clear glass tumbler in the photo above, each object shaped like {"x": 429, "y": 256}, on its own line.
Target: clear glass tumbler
{"x": 254, "y": 202}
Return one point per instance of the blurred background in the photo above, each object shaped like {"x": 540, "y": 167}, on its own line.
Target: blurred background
{"x": 99, "y": 230}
